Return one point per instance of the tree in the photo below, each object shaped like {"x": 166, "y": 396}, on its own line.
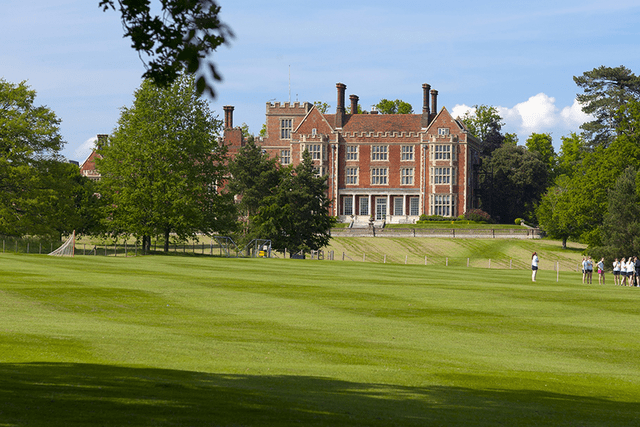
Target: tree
{"x": 162, "y": 166}
{"x": 323, "y": 107}
{"x": 572, "y": 151}
{"x": 181, "y": 38}
{"x": 296, "y": 217}
{"x": 254, "y": 176}
{"x": 485, "y": 123}
{"x": 398, "y": 106}
{"x": 554, "y": 212}
{"x": 542, "y": 143}
{"x": 620, "y": 231}
{"x": 606, "y": 89}
{"x": 510, "y": 139}
{"x": 30, "y": 189}
{"x": 519, "y": 178}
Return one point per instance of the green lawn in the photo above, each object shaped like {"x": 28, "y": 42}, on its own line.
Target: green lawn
{"x": 190, "y": 341}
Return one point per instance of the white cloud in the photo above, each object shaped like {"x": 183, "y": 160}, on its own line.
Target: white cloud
{"x": 538, "y": 114}
{"x": 83, "y": 151}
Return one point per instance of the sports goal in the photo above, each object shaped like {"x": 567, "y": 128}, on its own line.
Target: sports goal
{"x": 68, "y": 247}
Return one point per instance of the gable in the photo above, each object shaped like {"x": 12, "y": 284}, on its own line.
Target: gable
{"x": 313, "y": 120}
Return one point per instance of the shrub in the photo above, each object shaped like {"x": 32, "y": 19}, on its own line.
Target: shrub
{"x": 424, "y": 218}
{"x": 519, "y": 221}
{"x": 477, "y": 215}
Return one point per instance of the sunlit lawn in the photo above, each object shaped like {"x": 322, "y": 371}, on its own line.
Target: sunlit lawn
{"x": 190, "y": 341}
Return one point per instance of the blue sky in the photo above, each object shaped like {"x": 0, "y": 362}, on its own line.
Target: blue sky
{"x": 518, "y": 56}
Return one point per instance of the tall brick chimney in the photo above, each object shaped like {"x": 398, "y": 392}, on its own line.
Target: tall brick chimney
{"x": 340, "y": 108}
{"x": 228, "y": 116}
{"x": 426, "y": 113}
{"x": 434, "y": 101}
{"x": 354, "y": 103}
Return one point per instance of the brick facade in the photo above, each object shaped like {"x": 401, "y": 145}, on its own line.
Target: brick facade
{"x": 394, "y": 167}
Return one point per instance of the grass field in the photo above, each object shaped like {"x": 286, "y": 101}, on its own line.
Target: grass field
{"x": 191, "y": 341}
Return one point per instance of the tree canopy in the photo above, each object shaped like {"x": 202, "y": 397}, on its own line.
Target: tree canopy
{"x": 606, "y": 90}
{"x": 162, "y": 166}
{"x": 182, "y": 37}
{"x": 485, "y": 123}
{"x": 37, "y": 187}
{"x": 296, "y": 217}
{"x": 398, "y": 106}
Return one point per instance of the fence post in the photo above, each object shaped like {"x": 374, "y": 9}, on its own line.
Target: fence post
{"x": 385, "y": 259}
{"x": 489, "y": 262}
{"x": 447, "y": 262}
{"x": 467, "y": 262}
{"x": 343, "y": 255}
{"x": 125, "y": 248}
{"x": 363, "y": 256}
{"x": 425, "y": 260}
{"x": 28, "y": 246}
{"x": 405, "y": 259}
{"x": 510, "y": 261}
{"x": 84, "y": 249}
{"x": 40, "y": 252}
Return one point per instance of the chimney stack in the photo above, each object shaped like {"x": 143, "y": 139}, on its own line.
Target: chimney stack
{"x": 228, "y": 116}
{"x": 426, "y": 113}
{"x": 434, "y": 101}
{"x": 340, "y": 108}
{"x": 354, "y": 103}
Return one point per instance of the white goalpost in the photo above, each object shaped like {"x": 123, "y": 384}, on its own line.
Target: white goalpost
{"x": 68, "y": 248}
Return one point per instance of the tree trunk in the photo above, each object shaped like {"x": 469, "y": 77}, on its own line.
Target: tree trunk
{"x": 166, "y": 240}
{"x": 564, "y": 243}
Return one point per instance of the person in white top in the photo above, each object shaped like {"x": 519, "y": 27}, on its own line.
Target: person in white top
{"x": 534, "y": 266}
{"x": 630, "y": 267}
{"x": 616, "y": 272}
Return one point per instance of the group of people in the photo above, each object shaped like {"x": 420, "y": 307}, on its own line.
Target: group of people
{"x": 626, "y": 272}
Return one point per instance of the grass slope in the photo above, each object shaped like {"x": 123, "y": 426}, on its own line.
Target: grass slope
{"x": 255, "y": 342}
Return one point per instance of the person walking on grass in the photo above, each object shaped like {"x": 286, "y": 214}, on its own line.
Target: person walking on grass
{"x": 534, "y": 266}
{"x": 630, "y": 266}
{"x": 636, "y": 263}
{"x": 616, "y": 272}
{"x": 601, "y": 272}
{"x": 584, "y": 269}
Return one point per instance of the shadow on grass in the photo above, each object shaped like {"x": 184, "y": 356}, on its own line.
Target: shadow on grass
{"x": 42, "y": 394}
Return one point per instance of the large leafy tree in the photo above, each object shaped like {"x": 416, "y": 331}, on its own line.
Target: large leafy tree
{"x": 620, "y": 231}
{"x": 572, "y": 151}
{"x": 36, "y": 186}
{"x": 181, "y": 36}
{"x": 542, "y": 143}
{"x": 254, "y": 176}
{"x": 386, "y": 106}
{"x": 296, "y": 217}
{"x": 162, "y": 166}
{"x": 606, "y": 90}
{"x": 554, "y": 212}
{"x": 485, "y": 123}
{"x": 516, "y": 181}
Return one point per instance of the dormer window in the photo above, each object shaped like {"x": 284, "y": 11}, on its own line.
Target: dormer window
{"x": 314, "y": 132}
{"x": 443, "y": 131}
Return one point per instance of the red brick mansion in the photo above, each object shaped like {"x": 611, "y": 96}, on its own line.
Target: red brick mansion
{"x": 394, "y": 167}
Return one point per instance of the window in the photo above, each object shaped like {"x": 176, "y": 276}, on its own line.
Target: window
{"x": 351, "y": 176}
{"x": 315, "y": 150}
{"x": 364, "y": 206}
{"x": 443, "y": 131}
{"x": 378, "y": 152}
{"x": 407, "y": 153}
{"x": 414, "y": 203}
{"x": 441, "y": 175}
{"x": 347, "y": 206}
{"x": 285, "y": 157}
{"x": 441, "y": 204}
{"x": 378, "y": 176}
{"x": 319, "y": 171}
{"x": 352, "y": 152}
{"x": 285, "y": 128}
{"x": 397, "y": 206}
{"x": 442, "y": 152}
{"x": 406, "y": 176}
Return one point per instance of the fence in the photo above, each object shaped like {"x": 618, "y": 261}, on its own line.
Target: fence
{"x": 480, "y": 233}
{"x": 557, "y": 264}
{"x": 218, "y": 246}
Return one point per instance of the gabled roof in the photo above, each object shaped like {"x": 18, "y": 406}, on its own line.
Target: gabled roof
{"x": 315, "y": 113}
